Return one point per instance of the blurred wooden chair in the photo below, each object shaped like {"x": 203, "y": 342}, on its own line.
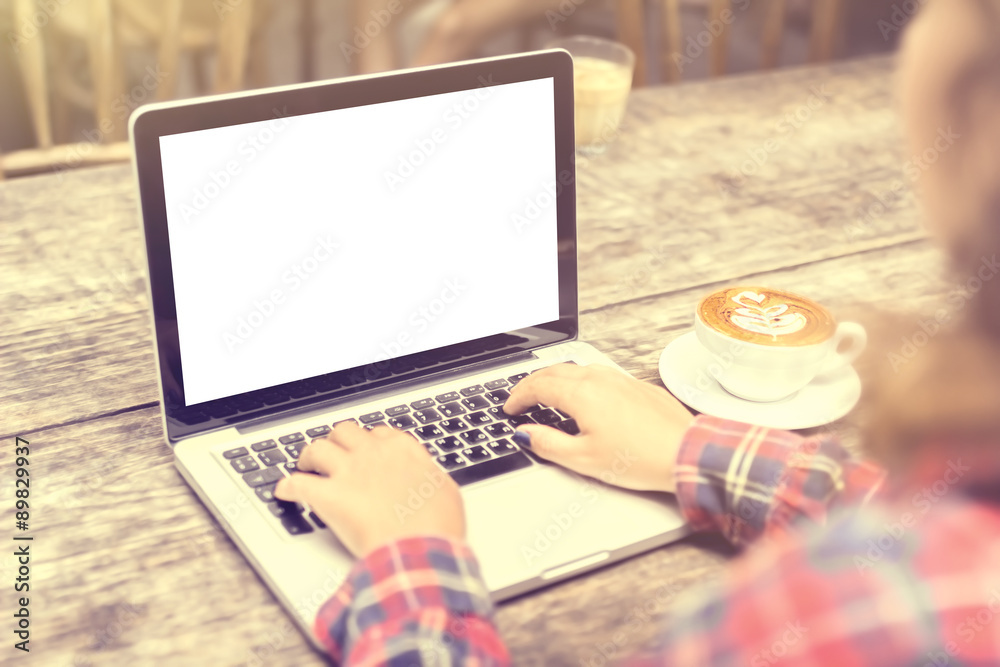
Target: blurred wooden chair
{"x": 826, "y": 18}
{"x": 109, "y": 28}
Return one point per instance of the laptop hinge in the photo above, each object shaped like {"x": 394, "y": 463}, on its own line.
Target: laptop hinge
{"x": 297, "y": 414}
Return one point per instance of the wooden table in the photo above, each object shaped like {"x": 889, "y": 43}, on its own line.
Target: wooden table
{"x": 128, "y": 566}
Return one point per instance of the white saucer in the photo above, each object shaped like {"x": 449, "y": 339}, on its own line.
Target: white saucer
{"x": 826, "y": 399}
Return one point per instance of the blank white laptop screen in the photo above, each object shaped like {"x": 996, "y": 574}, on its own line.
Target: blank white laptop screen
{"x": 309, "y": 244}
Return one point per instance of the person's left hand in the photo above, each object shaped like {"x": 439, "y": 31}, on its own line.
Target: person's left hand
{"x": 375, "y": 487}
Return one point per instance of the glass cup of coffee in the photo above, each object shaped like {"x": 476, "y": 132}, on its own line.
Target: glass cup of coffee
{"x": 767, "y": 344}
{"x": 602, "y": 78}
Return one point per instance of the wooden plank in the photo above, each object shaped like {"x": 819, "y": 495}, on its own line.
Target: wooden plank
{"x": 666, "y": 209}
{"x": 137, "y": 571}
{"x": 773, "y": 33}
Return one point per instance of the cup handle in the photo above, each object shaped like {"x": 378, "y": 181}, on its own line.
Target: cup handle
{"x": 858, "y": 338}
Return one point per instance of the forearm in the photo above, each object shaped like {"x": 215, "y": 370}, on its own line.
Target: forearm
{"x": 420, "y": 601}
{"x": 747, "y": 481}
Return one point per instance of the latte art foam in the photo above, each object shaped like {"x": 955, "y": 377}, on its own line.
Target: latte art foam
{"x": 767, "y": 316}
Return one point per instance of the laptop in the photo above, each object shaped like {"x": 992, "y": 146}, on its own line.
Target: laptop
{"x": 394, "y": 249}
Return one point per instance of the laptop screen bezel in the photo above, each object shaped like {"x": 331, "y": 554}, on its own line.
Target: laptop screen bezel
{"x": 150, "y": 123}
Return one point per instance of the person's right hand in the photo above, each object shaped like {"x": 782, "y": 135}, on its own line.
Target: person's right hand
{"x": 630, "y": 431}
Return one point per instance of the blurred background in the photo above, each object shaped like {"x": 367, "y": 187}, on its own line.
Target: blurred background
{"x": 72, "y": 71}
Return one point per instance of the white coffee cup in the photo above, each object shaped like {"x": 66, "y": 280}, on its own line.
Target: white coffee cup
{"x": 768, "y": 373}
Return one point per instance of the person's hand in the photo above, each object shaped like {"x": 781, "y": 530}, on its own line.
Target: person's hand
{"x": 630, "y": 431}
{"x": 374, "y": 487}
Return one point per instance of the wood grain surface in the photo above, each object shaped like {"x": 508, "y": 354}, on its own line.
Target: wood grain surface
{"x": 708, "y": 184}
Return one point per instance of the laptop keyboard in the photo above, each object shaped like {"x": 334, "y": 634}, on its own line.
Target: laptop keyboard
{"x": 466, "y": 431}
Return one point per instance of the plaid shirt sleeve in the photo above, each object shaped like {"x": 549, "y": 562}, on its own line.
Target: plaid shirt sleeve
{"x": 747, "y": 481}
{"x": 417, "y": 601}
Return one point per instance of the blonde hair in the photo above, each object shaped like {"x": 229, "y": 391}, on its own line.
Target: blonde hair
{"x": 950, "y": 390}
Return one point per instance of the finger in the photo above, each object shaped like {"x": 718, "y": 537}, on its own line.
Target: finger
{"x": 551, "y": 444}
{"x": 348, "y": 435}
{"x": 550, "y": 386}
{"x": 301, "y": 488}
{"x": 321, "y": 456}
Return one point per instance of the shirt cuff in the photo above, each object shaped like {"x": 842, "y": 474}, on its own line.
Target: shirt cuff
{"x": 399, "y": 578}
{"x": 727, "y": 473}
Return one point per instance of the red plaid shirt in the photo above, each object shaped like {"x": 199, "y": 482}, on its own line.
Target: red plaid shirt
{"x": 914, "y": 579}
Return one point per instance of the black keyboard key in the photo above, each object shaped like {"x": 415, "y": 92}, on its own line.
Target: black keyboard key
{"x": 296, "y": 524}
{"x": 402, "y": 423}
{"x": 502, "y": 447}
{"x": 474, "y": 437}
{"x": 272, "y": 457}
{"x": 235, "y": 453}
{"x": 448, "y": 444}
{"x": 429, "y": 431}
{"x": 292, "y": 466}
{"x": 371, "y": 417}
{"x": 316, "y": 520}
{"x": 569, "y": 426}
{"x": 476, "y": 402}
{"x": 430, "y": 449}
{"x": 478, "y": 419}
{"x": 451, "y": 409}
{"x": 262, "y": 477}
{"x": 520, "y": 419}
{"x": 295, "y": 450}
{"x": 447, "y": 398}
{"x": 422, "y": 404}
{"x": 476, "y": 454}
{"x": 261, "y": 446}
{"x": 473, "y": 390}
{"x": 318, "y": 432}
{"x": 561, "y": 414}
{"x": 498, "y": 429}
{"x": 427, "y": 415}
{"x": 498, "y": 414}
{"x": 491, "y": 468}
{"x": 498, "y": 397}
{"x": 266, "y": 492}
{"x": 344, "y": 421}
{"x": 291, "y": 438}
{"x": 495, "y": 384}
{"x": 450, "y": 461}
{"x": 280, "y": 508}
{"x": 514, "y": 379}
{"x": 453, "y": 425}
{"x": 547, "y": 417}
{"x": 369, "y": 427}
{"x": 398, "y": 410}
{"x": 244, "y": 464}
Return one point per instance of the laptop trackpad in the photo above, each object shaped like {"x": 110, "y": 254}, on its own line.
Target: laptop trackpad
{"x": 523, "y": 526}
